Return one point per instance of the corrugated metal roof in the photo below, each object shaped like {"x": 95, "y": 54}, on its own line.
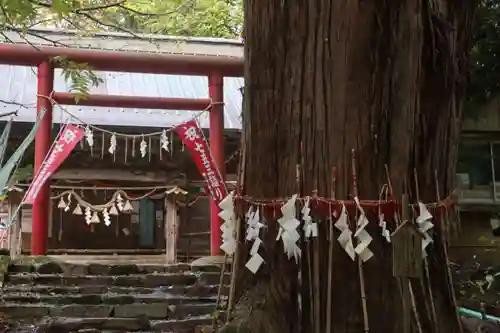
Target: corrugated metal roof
{"x": 20, "y": 87}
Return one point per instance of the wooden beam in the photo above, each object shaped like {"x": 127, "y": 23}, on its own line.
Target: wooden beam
{"x": 171, "y": 227}
{"x": 230, "y": 180}
{"x": 15, "y": 230}
{"x": 116, "y": 175}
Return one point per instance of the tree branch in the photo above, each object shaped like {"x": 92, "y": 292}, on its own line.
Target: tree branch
{"x": 6, "y": 114}
{"x": 34, "y": 24}
{"x": 112, "y": 26}
{"x": 100, "y": 7}
{"x": 23, "y": 32}
{"x": 184, "y": 5}
{"x": 25, "y": 106}
{"x": 84, "y": 9}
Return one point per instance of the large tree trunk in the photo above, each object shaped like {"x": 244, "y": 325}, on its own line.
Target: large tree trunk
{"x": 385, "y": 78}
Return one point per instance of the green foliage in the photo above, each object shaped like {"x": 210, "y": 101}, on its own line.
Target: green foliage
{"x": 485, "y": 56}
{"x": 80, "y": 76}
{"x": 203, "y": 18}
{"x": 17, "y": 13}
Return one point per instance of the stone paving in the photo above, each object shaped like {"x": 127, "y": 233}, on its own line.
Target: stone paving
{"x": 56, "y": 296}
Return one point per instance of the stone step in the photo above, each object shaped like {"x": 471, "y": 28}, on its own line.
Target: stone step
{"x": 146, "y": 280}
{"x": 163, "y": 311}
{"x": 52, "y": 267}
{"x": 108, "y": 299}
{"x": 107, "y": 324}
{"x": 197, "y": 290}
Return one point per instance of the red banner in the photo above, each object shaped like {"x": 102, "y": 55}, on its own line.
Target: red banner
{"x": 193, "y": 139}
{"x": 67, "y": 140}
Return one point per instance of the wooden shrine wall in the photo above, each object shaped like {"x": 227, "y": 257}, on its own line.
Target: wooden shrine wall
{"x": 194, "y": 230}
{"x": 70, "y": 231}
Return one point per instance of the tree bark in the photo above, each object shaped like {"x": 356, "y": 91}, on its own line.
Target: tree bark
{"x": 385, "y": 78}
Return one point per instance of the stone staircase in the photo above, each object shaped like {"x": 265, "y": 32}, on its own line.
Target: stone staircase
{"x": 62, "y": 297}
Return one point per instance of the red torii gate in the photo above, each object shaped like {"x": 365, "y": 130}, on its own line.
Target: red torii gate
{"x": 214, "y": 67}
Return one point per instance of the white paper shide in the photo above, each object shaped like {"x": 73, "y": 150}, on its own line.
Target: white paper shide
{"x": 362, "y": 236}
{"x": 164, "y": 141}
{"x": 89, "y": 136}
{"x": 229, "y": 225}
{"x": 107, "y": 218}
{"x": 383, "y": 225}
{"x": 288, "y": 229}
{"x": 424, "y": 225}
{"x": 253, "y": 224}
{"x": 112, "y": 144}
{"x": 88, "y": 215}
{"x": 252, "y": 235}
{"x": 345, "y": 238}
{"x": 310, "y": 227}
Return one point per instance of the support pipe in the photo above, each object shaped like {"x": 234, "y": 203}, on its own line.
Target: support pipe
{"x": 124, "y": 61}
{"x": 216, "y": 135}
{"x": 117, "y": 101}
{"x": 475, "y": 314}
{"x": 43, "y": 140}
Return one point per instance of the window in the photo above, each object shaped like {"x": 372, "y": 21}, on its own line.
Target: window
{"x": 496, "y": 160}
{"x": 474, "y": 160}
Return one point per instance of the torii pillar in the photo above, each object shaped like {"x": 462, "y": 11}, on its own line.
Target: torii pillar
{"x": 216, "y": 136}
{"x": 41, "y": 205}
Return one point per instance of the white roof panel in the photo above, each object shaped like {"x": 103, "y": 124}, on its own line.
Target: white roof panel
{"x": 20, "y": 88}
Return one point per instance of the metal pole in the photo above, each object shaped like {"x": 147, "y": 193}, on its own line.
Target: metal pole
{"x": 119, "y": 101}
{"x": 216, "y": 134}
{"x": 41, "y": 206}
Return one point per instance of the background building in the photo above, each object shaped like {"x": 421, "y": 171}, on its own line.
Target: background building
{"x": 94, "y": 174}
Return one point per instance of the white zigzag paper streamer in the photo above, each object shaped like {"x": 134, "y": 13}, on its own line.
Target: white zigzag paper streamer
{"x": 363, "y": 237}
{"x": 89, "y": 136}
{"x": 288, "y": 229}
{"x": 383, "y": 225}
{"x": 164, "y": 141}
{"x": 88, "y": 215}
{"x": 253, "y": 224}
{"x": 424, "y": 225}
{"x": 310, "y": 227}
{"x": 248, "y": 217}
{"x": 252, "y": 233}
{"x": 345, "y": 238}
{"x": 107, "y": 218}
{"x": 229, "y": 225}
{"x": 112, "y": 144}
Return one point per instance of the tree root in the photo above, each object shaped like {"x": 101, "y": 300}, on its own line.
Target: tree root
{"x": 265, "y": 308}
